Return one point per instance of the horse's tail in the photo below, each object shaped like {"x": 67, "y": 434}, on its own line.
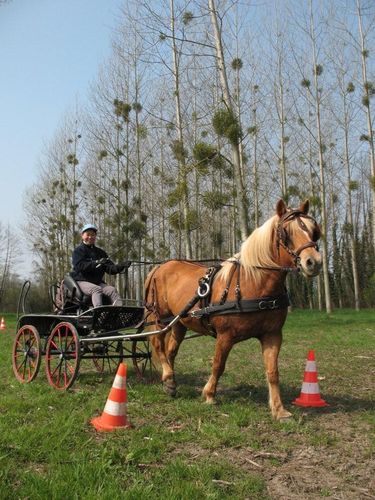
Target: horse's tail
{"x": 147, "y": 287}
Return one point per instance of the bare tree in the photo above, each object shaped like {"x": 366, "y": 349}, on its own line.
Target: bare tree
{"x": 5, "y": 260}
{"x": 242, "y": 201}
{"x": 345, "y": 120}
{"x": 52, "y": 204}
{"x": 369, "y": 91}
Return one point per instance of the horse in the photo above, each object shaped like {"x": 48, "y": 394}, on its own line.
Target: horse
{"x": 245, "y": 298}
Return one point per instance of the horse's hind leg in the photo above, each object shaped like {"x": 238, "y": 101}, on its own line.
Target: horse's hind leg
{"x": 174, "y": 342}
{"x": 166, "y": 347}
{"x": 158, "y": 344}
{"x": 222, "y": 348}
{"x": 271, "y": 344}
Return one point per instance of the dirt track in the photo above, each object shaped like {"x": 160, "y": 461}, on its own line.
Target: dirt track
{"x": 343, "y": 468}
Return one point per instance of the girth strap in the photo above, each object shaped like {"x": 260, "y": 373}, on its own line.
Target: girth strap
{"x": 243, "y": 306}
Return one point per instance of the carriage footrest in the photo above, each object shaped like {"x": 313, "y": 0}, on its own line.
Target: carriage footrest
{"x": 110, "y": 318}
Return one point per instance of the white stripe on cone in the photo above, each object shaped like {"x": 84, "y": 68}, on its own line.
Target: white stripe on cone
{"x": 119, "y": 382}
{"x": 310, "y": 366}
{"x": 114, "y": 408}
{"x": 310, "y": 388}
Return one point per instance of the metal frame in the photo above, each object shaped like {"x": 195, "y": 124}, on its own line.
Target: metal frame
{"x": 133, "y": 336}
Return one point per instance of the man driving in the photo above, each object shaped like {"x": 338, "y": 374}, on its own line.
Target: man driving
{"x": 90, "y": 263}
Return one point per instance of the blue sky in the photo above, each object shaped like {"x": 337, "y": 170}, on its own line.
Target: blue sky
{"x": 50, "y": 52}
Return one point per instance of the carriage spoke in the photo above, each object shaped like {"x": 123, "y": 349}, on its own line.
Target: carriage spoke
{"x": 108, "y": 355}
{"x": 142, "y": 361}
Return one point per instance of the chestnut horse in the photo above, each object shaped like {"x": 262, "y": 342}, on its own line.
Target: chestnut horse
{"x": 247, "y": 298}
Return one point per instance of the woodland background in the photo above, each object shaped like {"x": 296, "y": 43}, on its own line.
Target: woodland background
{"x": 206, "y": 113}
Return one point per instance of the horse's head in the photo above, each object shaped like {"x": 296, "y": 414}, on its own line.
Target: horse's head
{"x": 297, "y": 234}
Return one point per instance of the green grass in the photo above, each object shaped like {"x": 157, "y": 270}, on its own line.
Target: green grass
{"x": 183, "y": 449}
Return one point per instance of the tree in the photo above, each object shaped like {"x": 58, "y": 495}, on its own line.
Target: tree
{"x": 227, "y": 123}
{"x": 369, "y": 92}
{"x": 178, "y": 147}
{"x": 345, "y": 119}
{"x": 8, "y": 248}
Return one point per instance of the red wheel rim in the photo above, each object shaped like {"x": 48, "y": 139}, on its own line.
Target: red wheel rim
{"x": 26, "y": 355}
{"x": 62, "y": 356}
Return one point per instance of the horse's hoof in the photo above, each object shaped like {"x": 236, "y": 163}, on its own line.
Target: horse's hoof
{"x": 285, "y": 416}
{"x": 169, "y": 388}
{"x": 211, "y": 401}
{"x": 285, "y": 420}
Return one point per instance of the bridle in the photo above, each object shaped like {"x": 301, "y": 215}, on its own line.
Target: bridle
{"x": 283, "y": 237}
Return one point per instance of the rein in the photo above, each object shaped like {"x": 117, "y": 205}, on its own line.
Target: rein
{"x": 158, "y": 262}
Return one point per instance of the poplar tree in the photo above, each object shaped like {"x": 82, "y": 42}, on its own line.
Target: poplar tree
{"x": 226, "y": 122}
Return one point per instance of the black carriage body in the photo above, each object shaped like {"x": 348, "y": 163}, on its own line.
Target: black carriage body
{"x": 103, "y": 320}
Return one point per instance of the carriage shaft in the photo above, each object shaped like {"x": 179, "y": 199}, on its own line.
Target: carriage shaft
{"x": 134, "y": 336}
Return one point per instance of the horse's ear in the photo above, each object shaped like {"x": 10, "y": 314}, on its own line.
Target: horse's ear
{"x": 304, "y": 208}
{"x": 281, "y": 208}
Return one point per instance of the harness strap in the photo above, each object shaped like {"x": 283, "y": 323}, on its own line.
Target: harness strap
{"x": 237, "y": 290}
{"x": 244, "y": 306}
{"x": 226, "y": 289}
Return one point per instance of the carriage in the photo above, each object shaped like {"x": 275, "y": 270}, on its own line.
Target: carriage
{"x": 75, "y": 331}
{"x": 245, "y": 297}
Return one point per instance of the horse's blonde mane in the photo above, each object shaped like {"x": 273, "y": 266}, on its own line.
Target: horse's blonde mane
{"x": 256, "y": 252}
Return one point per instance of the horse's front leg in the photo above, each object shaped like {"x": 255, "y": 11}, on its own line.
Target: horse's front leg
{"x": 222, "y": 348}
{"x": 271, "y": 344}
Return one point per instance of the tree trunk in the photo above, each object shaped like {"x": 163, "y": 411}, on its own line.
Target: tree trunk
{"x": 182, "y": 164}
{"x": 353, "y": 251}
{"x": 367, "y": 104}
{"x": 327, "y": 293}
{"x": 242, "y": 202}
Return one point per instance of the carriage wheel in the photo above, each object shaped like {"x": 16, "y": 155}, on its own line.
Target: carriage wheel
{"x": 26, "y": 355}
{"x": 142, "y": 361}
{"x": 108, "y": 355}
{"x": 62, "y": 356}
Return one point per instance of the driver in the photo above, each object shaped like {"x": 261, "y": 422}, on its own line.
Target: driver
{"x": 90, "y": 263}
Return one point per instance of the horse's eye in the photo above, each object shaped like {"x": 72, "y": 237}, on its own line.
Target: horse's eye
{"x": 316, "y": 234}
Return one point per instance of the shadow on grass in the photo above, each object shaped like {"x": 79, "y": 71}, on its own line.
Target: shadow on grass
{"x": 191, "y": 385}
{"x": 337, "y": 404}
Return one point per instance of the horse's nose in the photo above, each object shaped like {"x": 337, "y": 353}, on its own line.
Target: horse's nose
{"x": 312, "y": 265}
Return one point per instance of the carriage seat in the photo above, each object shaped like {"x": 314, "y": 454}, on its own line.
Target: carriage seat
{"x": 73, "y": 293}
{"x": 74, "y": 297}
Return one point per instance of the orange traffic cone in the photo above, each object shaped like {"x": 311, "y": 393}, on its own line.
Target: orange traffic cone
{"x": 310, "y": 395}
{"x": 114, "y": 413}
{"x": 2, "y": 324}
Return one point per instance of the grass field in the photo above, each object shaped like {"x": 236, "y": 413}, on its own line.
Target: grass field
{"x": 184, "y": 449}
